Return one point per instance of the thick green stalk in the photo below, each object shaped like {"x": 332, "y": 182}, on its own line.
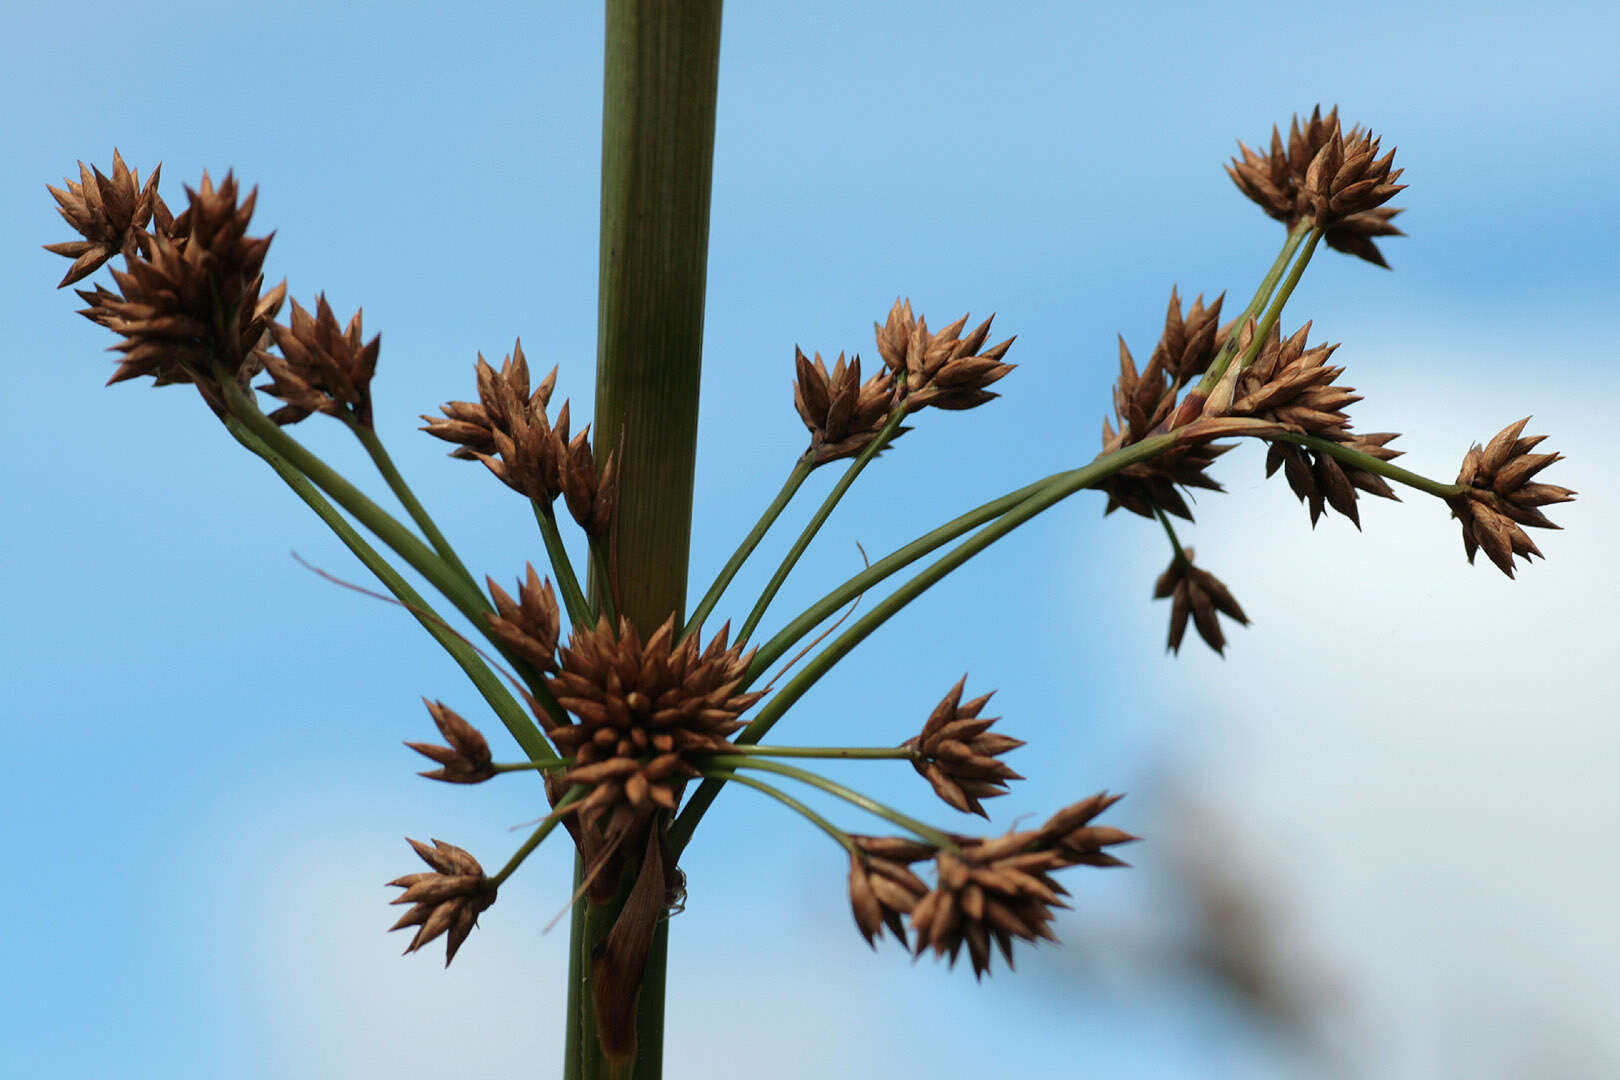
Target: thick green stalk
{"x": 500, "y": 700}
{"x": 1044, "y": 498}
{"x": 871, "y": 450}
{"x": 796, "y": 477}
{"x": 661, "y": 75}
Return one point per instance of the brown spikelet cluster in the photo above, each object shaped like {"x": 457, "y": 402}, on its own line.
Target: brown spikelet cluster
{"x": 643, "y": 709}
{"x": 944, "y": 370}
{"x": 466, "y": 760}
{"x": 529, "y": 625}
{"x": 322, "y": 367}
{"x": 1502, "y": 497}
{"x": 957, "y": 752}
{"x": 195, "y": 303}
{"x": 1145, "y": 404}
{"x": 1294, "y": 386}
{"x": 882, "y": 887}
{"x": 507, "y": 429}
{"x": 1336, "y": 180}
{"x": 842, "y": 413}
{"x": 110, "y": 213}
{"x": 995, "y": 890}
{"x": 1200, "y": 594}
{"x": 446, "y": 901}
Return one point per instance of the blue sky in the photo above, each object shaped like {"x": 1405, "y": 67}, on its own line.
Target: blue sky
{"x": 209, "y": 787}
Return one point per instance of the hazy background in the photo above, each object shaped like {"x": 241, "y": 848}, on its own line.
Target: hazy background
{"x": 1390, "y": 812}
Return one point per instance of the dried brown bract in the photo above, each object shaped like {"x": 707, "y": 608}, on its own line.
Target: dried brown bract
{"x": 466, "y": 760}
{"x": 1198, "y": 593}
{"x": 448, "y": 900}
{"x": 111, "y": 214}
{"x": 194, "y": 306}
{"x": 1337, "y": 181}
{"x": 995, "y": 890}
{"x": 323, "y": 367}
{"x": 1501, "y": 497}
{"x": 957, "y": 752}
{"x": 529, "y": 625}
{"x": 843, "y": 414}
{"x": 942, "y": 369}
{"x": 882, "y": 887}
{"x": 644, "y": 709}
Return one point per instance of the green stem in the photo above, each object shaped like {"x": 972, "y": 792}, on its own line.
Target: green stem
{"x": 500, "y": 700}
{"x": 801, "y": 469}
{"x": 866, "y": 455}
{"x": 530, "y": 766}
{"x": 787, "y": 800}
{"x": 1371, "y": 464}
{"x": 1274, "y": 312}
{"x": 850, "y": 753}
{"x": 832, "y": 787}
{"x": 1170, "y": 531}
{"x": 1044, "y": 498}
{"x": 573, "y": 795}
{"x": 602, "y": 582}
{"x": 574, "y": 602}
{"x": 1268, "y": 284}
{"x": 407, "y": 498}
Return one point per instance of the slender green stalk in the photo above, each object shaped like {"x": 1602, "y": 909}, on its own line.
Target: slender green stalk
{"x": 1044, "y": 498}
{"x": 898, "y": 560}
{"x": 855, "y": 467}
{"x": 796, "y": 476}
{"x": 532, "y": 766}
{"x": 500, "y": 700}
{"x": 602, "y": 582}
{"x": 1274, "y": 312}
{"x": 407, "y": 498}
{"x": 1371, "y": 464}
{"x": 842, "y": 753}
{"x": 1268, "y": 284}
{"x": 832, "y": 787}
{"x": 574, "y": 602}
{"x": 1170, "y": 531}
{"x": 787, "y": 800}
{"x": 572, "y": 796}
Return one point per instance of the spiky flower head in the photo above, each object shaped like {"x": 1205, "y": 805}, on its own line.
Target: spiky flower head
{"x": 110, "y": 213}
{"x": 998, "y": 889}
{"x": 957, "y": 752}
{"x": 466, "y": 760}
{"x": 843, "y": 414}
{"x": 1200, "y": 594}
{"x": 942, "y": 369}
{"x": 882, "y": 887}
{"x": 643, "y": 709}
{"x": 1334, "y": 179}
{"x": 1189, "y": 342}
{"x": 1502, "y": 497}
{"x": 529, "y": 625}
{"x": 194, "y": 306}
{"x": 323, "y": 366}
{"x": 448, "y": 900}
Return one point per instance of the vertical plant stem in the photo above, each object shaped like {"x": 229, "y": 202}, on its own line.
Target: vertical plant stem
{"x": 660, "y": 80}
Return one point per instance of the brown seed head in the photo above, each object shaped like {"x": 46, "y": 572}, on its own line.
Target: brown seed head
{"x": 957, "y": 752}
{"x": 1338, "y": 181}
{"x": 323, "y": 367}
{"x": 449, "y": 899}
{"x": 529, "y": 625}
{"x": 942, "y": 369}
{"x": 842, "y": 413}
{"x": 1502, "y": 497}
{"x": 111, "y": 214}
{"x": 466, "y": 760}
{"x": 882, "y": 887}
{"x": 195, "y": 304}
{"x": 998, "y": 889}
{"x": 1189, "y": 342}
{"x": 644, "y": 710}
{"x": 1198, "y": 593}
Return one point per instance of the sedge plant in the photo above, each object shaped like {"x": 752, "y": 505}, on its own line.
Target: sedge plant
{"x": 630, "y": 710}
